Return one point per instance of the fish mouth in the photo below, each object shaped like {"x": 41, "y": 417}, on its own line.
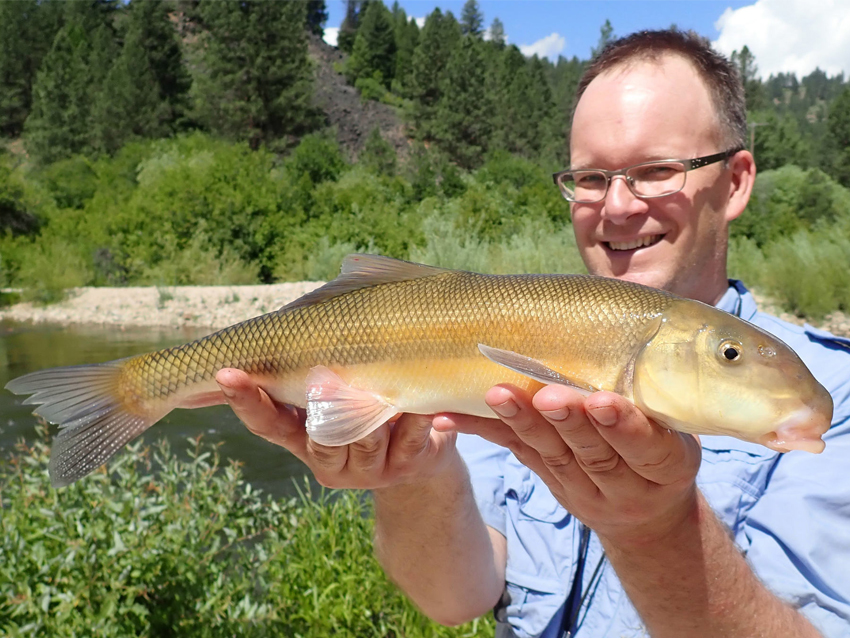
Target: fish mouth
{"x": 634, "y": 244}
{"x": 802, "y": 430}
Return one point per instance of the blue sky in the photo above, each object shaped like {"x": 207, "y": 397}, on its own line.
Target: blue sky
{"x": 785, "y": 35}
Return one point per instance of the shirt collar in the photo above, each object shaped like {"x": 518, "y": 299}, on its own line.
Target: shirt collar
{"x": 738, "y": 301}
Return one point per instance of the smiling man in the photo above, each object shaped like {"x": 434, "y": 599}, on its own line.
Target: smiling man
{"x": 578, "y": 515}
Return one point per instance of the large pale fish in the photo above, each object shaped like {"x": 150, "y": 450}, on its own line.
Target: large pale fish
{"x": 389, "y": 336}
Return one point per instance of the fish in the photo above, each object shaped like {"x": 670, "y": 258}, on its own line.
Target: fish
{"x": 389, "y": 336}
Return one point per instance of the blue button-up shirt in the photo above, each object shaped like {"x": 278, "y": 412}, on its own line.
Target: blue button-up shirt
{"x": 789, "y": 513}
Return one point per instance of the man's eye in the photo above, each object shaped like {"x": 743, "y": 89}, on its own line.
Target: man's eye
{"x": 653, "y": 173}
{"x": 590, "y": 179}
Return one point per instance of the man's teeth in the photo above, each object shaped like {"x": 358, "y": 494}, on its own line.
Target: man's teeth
{"x": 637, "y": 243}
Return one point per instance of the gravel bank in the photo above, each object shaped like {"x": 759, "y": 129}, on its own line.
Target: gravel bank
{"x": 178, "y": 306}
{"x": 217, "y": 307}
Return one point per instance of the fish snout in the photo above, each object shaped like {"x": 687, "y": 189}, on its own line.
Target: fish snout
{"x": 803, "y": 428}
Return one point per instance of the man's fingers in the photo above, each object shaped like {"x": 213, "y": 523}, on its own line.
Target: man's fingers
{"x": 657, "y": 454}
{"x": 278, "y": 424}
{"x": 492, "y": 430}
{"x": 410, "y": 436}
{"x": 369, "y": 454}
{"x": 515, "y": 408}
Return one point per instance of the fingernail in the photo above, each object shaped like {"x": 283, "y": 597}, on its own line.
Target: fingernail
{"x": 604, "y": 415}
{"x": 227, "y": 391}
{"x": 506, "y": 409}
{"x": 556, "y": 415}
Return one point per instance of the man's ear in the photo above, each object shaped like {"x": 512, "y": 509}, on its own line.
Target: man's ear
{"x": 743, "y": 168}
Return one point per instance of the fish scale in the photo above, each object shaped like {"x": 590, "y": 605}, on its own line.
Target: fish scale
{"x": 389, "y": 336}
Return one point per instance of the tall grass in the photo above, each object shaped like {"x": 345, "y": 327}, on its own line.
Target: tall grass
{"x": 167, "y": 547}
{"x": 809, "y": 271}
{"x": 538, "y": 246}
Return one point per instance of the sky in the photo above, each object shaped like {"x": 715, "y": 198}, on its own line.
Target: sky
{"x": 784, "y": 35}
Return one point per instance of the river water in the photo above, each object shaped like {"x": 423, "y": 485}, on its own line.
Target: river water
{"x": 25, "y": 348}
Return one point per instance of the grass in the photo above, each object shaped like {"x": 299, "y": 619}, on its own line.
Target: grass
{"x": 170, "y": 546}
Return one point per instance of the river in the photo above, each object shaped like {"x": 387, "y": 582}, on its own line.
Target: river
{"x": 25, "y": 348}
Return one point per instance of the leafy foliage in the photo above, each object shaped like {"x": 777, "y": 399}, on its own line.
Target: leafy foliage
{"x": 163, "y": 546}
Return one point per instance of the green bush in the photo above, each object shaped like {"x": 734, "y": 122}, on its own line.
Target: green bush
{"x": 789, "y": 199}
{"x": 166, "y": 547}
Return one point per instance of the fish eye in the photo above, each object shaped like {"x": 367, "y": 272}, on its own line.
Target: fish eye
{"x": 731, "y": 351}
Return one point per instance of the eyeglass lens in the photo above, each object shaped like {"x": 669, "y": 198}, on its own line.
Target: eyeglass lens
{"x": 646, "y": 180}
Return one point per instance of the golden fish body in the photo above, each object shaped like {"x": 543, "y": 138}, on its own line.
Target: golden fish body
{"x": 389, "y": 336}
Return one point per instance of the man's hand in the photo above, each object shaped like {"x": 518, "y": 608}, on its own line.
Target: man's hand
{"x": 603, "y": 460}
{"x": 429, "y": 535}
{"x": 407, "y": 451}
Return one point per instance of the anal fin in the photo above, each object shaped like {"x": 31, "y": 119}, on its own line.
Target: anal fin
{"x": 338, "y": 414}
{"x": 531, "y": 368}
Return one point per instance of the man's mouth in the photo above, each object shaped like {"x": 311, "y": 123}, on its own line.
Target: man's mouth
{"x": 642, "y": 242}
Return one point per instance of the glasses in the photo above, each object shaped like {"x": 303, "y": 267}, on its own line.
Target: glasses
{"x": 646, "y": 180}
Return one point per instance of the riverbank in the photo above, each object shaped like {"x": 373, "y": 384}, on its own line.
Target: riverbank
{"x": 210, "y": 307}
{"x": 217, "y": 307}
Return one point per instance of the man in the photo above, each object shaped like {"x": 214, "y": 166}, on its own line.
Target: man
{"x": 683, "y": 534}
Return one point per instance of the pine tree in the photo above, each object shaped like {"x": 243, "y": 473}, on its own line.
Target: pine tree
{"x": 406, "y": 39}
{"x": 129, "y": 104}
{"x": 463, "y": 123}
{"x": 354, "y": 11}
{"x": 317, "y": 16}
{"x": 375, "y": 46}
{"x": 471, "y": 19}
{"x": 255, "y": 83}
{"x": 58, "y": 125}
{"x": 606, "y": 35}
{"x": 70, "y": 78}
{"x": 497, "y": 33}
{"x": 437, "y": 41}
{"x": 778, "y": 141}
{"x": 839, "y": 129}
{"x": 27, "y": 30}
{"x": 149, "y": 22}
{"x": 754, "y": 92}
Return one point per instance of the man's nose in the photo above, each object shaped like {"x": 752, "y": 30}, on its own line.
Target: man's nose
{"x": 620, "y": 202}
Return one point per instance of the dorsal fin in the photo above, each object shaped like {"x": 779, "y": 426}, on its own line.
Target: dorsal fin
{"x": 362, "y": 271}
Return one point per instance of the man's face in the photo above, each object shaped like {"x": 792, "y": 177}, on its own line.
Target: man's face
{"x": 642, "y": 112}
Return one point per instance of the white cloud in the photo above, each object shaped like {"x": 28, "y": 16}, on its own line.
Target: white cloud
{"x": 420, "y": 22}
{"x": 331, "y": 35}
{"x": 548, "y": 47}
{"x": 789, "y": 35}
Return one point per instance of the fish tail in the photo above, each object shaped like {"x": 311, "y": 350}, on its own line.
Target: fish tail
{"x": 94, "y": 417}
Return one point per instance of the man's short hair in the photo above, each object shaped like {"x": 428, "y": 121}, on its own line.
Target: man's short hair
{"x": 720, "y": 76}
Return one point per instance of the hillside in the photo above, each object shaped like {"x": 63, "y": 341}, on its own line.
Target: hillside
{"x": 353, "y": 117}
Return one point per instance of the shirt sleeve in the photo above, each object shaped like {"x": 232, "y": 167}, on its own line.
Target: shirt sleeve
{"x": 797, "y": 535}
{"x": 486, "y": 462}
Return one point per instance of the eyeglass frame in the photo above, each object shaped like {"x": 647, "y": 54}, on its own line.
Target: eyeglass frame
{"x": 689, "y": 164}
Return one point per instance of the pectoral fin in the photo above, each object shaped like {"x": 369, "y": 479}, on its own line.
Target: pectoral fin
{"x": 338, "y": 414}
{"x": 531, "y": 368}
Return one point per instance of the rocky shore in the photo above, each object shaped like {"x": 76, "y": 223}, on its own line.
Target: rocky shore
{"x": 221, "y": 306}
{"x": 172, "y": 306}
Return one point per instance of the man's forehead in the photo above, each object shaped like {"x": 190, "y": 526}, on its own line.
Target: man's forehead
{"x": 664, "y": 71}
{"x": 645, "y": 103}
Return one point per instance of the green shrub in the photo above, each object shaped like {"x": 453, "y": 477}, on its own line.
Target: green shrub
{"x": 162, "y": 547}
{"x": 50, "y": 268}
{"x": 371, "y": 88}
{"x": 197, "y": 264}
{"x": 537, "y": 247}
{"x": 789, "y": 199}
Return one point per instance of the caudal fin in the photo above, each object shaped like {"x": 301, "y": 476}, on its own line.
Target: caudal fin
{"x": 85, "y": 401}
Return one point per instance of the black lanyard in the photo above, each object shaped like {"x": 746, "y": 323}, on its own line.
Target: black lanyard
{"x": 575, "y": 599}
